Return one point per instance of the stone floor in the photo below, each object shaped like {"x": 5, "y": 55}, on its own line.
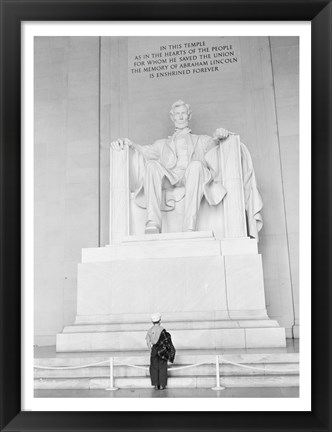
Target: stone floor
{"x": 263, "y": 392}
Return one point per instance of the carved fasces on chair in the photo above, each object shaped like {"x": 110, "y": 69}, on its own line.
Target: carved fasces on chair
{"x": 119, "y": 195}
{"x": 234, "y": 206}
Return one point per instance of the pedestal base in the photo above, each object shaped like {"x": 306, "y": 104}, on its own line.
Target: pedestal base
{"x": 185, "y": 335}
{"x": 210, "y": 294}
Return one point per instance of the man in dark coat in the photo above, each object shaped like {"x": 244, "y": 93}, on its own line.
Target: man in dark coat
{"x": 160, "y": 343}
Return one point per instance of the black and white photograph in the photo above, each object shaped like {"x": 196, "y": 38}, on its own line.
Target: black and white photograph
{"x": 165, "y": 173}
{"x": 166, "y": 217}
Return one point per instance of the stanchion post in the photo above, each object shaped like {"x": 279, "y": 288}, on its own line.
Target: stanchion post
{"x": 111, "y": 387}
{"x": 218, "y": 387}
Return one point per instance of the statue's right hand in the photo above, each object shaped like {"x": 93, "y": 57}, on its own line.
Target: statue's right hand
{"x": 120, "y": 144}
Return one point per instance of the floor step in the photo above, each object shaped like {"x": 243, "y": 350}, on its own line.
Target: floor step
{"x": 172, "y": 325}
{"x": 180, "y": 359}
{"x": 223, "y": 338}
{"x": 173, "y": 382}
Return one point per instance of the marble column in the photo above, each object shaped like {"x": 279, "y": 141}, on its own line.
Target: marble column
{"x": 119, "y": 195}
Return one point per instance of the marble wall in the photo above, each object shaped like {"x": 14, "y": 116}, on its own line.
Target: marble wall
{"x": 66, "y": 159}
{"x": 257, "y": 97}
{"x": 285, "y": 64}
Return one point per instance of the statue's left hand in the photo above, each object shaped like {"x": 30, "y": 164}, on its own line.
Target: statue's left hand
{"x": 221, "y": 134}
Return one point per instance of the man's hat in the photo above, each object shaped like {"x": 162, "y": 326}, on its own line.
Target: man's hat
{"x": 155, "y": 317}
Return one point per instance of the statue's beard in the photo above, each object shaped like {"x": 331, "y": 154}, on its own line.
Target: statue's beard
{"x": 181, "y": 125}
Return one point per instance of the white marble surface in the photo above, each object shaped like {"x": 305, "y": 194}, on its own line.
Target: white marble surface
{"x": 202, "y": 370}
{"x": 289, "y": 355}
{"x": 182, "y": 339}
{"x": 181, "y": 316}
{"x": 234, "y": 207}
{"x": 248, "y": 109}
{"x": 206, "y": 300}
{"x": 119, "y": 195}
{"x": 256, "y": 338}
{"x": 65, "y": 174}
{"x": 198, "y": 243}
{"x": 150, "y": 246}
{"x": 209, "y": 217}
{"x": 146, "y": 285}
{"x": 194, "y": 235}
{"x": 244, "y": 281}
{"x": 174, "y": 383}
{"x": 238, "y": 246}
{"x": 286, "y": 80}
{"x": 191, "y": 324}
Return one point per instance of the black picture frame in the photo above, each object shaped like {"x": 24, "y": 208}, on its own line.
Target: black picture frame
{"x": 13, "y": 12}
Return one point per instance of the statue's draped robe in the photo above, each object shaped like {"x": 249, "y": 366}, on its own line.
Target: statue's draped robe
{"x": 206, "y": 150}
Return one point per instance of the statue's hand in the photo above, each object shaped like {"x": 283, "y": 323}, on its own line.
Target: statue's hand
{"x": 120, "y": 144}
{"x": 221, "y": 134}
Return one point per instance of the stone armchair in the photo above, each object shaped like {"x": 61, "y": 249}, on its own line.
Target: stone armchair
{"x": 227, "y": 220}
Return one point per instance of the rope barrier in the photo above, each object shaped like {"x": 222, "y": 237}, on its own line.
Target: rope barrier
{"x": 70, "y": 367}
{"x": 186, "y": 367}
{"x": 256, "y": 368}
{"x": 223, "y": 360}
{"x": 134, "y": 366}
{"x": 111, "y": 362}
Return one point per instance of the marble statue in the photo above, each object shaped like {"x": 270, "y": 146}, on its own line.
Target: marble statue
{"x": 184, "y": 166}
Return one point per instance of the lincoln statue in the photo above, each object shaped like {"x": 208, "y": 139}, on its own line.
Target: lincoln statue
{"x": 182, "y": 166}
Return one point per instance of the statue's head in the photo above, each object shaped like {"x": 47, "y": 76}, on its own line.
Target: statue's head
{"x": 180, "y": 114}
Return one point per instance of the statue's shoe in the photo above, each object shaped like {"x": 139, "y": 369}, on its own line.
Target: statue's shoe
{"x": 152, "y": 228}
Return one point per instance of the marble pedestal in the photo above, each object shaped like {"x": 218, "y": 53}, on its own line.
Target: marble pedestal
{"x": 210, "y": 294}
